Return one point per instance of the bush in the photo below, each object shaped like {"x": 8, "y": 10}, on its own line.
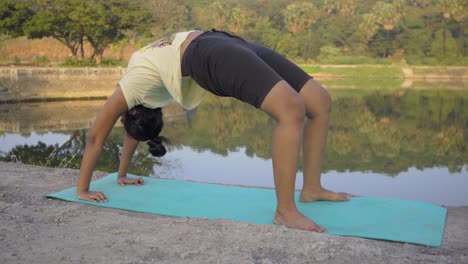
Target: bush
{"x": 413, "y": 60}
{"x": 113, "y": 63}
{"x": 329, "y": 52}
{"x": 16, "y": 60}
{"x": 71, "y": 62}
{"x": 41, "y": 60}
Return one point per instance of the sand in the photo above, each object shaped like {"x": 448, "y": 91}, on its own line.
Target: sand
{"x": 35, "y": 229}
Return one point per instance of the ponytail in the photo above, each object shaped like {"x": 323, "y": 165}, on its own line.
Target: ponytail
{"x": 145, "y": 124}
{"x": 156, "y": 147}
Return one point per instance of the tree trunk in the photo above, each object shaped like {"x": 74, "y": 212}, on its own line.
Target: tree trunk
{"x": 99, "y": 56}
{"x": 73, "y": 47}
{"x": 82, "y": 48}
{"x": 387, "y": 38}
{"x": 444, "y": 37}
{"x": 461, "y": 39}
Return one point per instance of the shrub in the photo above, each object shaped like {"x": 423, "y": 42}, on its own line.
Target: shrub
{"x": 71, "y": 62}
{"x": 42, "y": 60}
{"x": 113, "y": 63}
{"x": 413, "y": 60}
{"x": 16, "y": 60}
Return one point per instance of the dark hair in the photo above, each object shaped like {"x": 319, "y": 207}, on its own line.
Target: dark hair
{"x": 145, "y": 124}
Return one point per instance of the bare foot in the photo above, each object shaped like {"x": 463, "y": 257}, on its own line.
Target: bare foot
{"x": 296, "y": 220}
{"x": 322, "y": 194}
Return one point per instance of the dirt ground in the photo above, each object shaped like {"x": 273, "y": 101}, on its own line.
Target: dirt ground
{"x": 34, "y": 229}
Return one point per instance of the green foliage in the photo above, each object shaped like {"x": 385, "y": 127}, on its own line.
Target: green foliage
{"x": 71, "y": 62}
{"x": 299, "y": 16}
{"x": 361, "y": 72}
{"x": 100, "y": 23}
{"x": 387, "y": 14}
{"x": 355, "y": 60}
{"x": 16, "y": 60}
{"x": 169, "y": 15}
{"x": 42, "y": 60}
{"x": 228, "y": 16}
{"x": 443, "y": 47}
{"x": 419, "y": 43}
{"x": 13, "y": 14}
{"x": 113, "y": 63}
{"x": 328, "y": 52}
{"x": 301, "y": 30}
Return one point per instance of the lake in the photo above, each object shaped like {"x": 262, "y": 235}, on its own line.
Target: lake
{"x": 400, "y": 143}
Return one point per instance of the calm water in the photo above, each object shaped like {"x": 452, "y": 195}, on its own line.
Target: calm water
{"x": 408, "y": 144}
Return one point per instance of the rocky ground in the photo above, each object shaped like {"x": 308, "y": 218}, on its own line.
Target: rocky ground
{"x": 34, "y": 229}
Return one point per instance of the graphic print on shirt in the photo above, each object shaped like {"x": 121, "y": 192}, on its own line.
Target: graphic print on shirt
{"x": 164, "y": 41}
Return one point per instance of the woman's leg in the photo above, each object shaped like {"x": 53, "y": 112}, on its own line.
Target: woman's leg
{"x": 318, "y": 106}
{"x": 285, "y": 105}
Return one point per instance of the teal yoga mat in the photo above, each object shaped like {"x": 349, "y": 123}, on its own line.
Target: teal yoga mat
{"x": 368, "y": 217}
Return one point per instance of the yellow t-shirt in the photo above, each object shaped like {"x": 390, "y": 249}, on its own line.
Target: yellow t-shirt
{"x": 154, "y": 79}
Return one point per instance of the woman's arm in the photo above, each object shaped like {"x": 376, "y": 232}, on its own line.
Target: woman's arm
{"x": 129, "y": 146}
{"x": 101, "y": 128}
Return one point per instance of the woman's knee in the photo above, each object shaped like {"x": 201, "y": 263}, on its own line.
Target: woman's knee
{"x": 326, "y": 105}
{"x": 317, "y": 100}
{"x": 284, "y": 104}
{"x": 294, "y": 111}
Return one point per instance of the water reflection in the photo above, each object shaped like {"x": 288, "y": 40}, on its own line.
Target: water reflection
{"x": 373, "y": 134}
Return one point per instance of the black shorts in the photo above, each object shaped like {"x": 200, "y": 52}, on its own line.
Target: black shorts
{"x": 227, "y": 65}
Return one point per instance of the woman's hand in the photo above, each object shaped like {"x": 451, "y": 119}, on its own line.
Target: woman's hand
{"x": 92, "y": 196}
{"x": 125, "y": 180}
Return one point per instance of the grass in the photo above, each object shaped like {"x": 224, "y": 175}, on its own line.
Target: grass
{"x": 440, "y": 70}
{"x": 361, "y": 84}
{"x": 357, "y": 72}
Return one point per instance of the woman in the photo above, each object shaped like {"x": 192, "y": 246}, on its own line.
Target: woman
{"x": 175, "y": 67}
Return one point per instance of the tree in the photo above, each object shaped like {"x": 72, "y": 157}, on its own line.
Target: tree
{"x": 218, "y": 15}
{"x": 459, "y": 11}
{"x": 443, "y": 48}
{"x": 170, "y": 15}
{"x": 227, "y": 15}
{"x": 52, "y": 20}
{"x": 13, "y": 14}
{"x": 239, "y": 20}
{"x": 446, "y": 8}
{"x": 388, "y": 17}
{"x": 343, "y": 7}
{"x": 105, "y": 22}
{"x": 368, "y": 27}
{"x": 281, "y": 42}
{"x": 420, "y": 3}
{"x": 300, "y": 16}
{"x": 99, "y": 22}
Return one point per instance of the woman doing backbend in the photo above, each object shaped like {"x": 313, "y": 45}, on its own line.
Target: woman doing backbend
{"x": 182, "y": 67}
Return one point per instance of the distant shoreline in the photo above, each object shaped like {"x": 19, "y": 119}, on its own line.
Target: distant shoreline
{"x": 33, "y": 83}
{"x": 323, "y": 70}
